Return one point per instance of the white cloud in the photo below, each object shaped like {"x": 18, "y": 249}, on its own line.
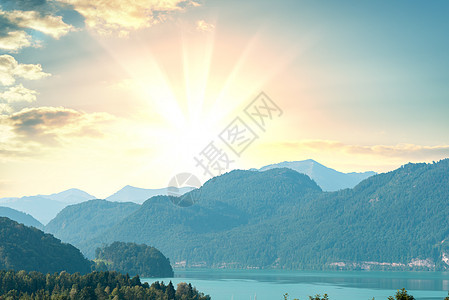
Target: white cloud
{"x": 203, "y": 26}
{"x": 17, "y": 22}
{"x": 50, "y": 25}
{"x": 10, "y": 69}
{"x": 5, "y": 109}
{"x": 15, "y": 40}
{"x": 120, "y": 17}
{"x": 18, "y": 93}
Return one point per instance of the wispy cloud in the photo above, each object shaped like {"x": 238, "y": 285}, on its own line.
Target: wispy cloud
{"x": 50, "y": 126}
{"x": 203, "y": 26}
{"x": 408, "y": 151}
{"x": 50, "y": 25}
{"x": 120, "y": 17}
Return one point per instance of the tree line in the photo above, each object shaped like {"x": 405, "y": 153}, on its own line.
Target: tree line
{"x": 96, "y": 285}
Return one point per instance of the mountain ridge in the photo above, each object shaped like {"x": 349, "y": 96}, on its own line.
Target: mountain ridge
{"x": 270, "y": 219}
{"x": 45, "y": 207}
{"x": 20, "y": 217}
{"x": 139, "y": 195}
{"x": 327, "y": 178}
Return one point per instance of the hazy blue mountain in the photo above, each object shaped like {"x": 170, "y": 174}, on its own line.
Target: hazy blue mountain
{"x": 139, "y": 195}
{"x": 43, "y": 209}
{"x": 20, "y": 217}
{"x": 46, "y": 207}
{"x": 71, "y": 196}
{"x": 29, "y": 249}
{"x": 280, "y": 218}
{"x": 90, "y": 218}
{"x": 328, "y": 179}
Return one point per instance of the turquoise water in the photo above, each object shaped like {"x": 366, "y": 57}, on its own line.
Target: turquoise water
{"x": 339, "y": 285}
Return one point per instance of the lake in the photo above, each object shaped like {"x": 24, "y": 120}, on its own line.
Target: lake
{"x": 339, "y": 285}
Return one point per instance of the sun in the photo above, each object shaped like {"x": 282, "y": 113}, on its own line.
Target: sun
{"x": 196, "y": 85}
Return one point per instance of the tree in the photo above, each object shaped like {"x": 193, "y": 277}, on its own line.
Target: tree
{"x": 170, "y": 291}
{"x": 401, "y": 295}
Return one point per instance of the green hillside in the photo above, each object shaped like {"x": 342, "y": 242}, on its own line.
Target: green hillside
{"x": 134, "y": 259}
{"x": 91, "y": 218}
{"x": 27, "y": 248}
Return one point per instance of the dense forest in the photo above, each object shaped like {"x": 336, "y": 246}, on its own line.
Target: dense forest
{"x": 27, "y": 248}
{"x": 281, "y": 219}
{"x": 134, "y": 259}
{"x": 95, "y": 285}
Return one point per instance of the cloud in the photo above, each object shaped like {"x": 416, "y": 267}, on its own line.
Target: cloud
{"x": 18, "y": 17}
{"x": 5, "y": 109}
{"x": 409, "y": 151}
{"x": 18, "y": 93}
{"x": 203, "y": 26}
{"x": 50, "y": 25}
{"x": 120, "y": 17}
{"x": 52, "y": 126}
{"x": 15, "y": 40}
{"x": 10, "y": 69}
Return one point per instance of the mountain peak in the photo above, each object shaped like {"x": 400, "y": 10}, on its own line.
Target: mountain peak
{"x": 139, "y": 195}
{"x": 328, "y": 179}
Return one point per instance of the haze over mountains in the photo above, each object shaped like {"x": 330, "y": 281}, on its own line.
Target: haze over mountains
{"x": 328, "y": 179}
{"x": 20, "y": 217}
{"x": 139, "y": 195}
{"x": 45, "y": 207}
{"x": 282, "y": 219}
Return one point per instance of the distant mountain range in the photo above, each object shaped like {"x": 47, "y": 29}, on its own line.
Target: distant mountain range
{"x": 139, "y": 195}
{"x": 46, "y": 207}
{"x": 328, "y": 179}
{"x": 282, "y": 219}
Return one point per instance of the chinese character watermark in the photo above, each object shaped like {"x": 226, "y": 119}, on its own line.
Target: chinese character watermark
{"x": 177, "y": 187}
{"x": 237, "y": 137}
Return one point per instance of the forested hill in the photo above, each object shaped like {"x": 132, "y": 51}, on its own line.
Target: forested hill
{"x": 134, "y": 259}
{"x": 280, "y": 218}
{"x": 27, "y": 248}
{"x": 91, "y": 218}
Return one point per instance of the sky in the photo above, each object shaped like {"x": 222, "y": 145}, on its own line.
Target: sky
{"x": 98, "y": 94}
